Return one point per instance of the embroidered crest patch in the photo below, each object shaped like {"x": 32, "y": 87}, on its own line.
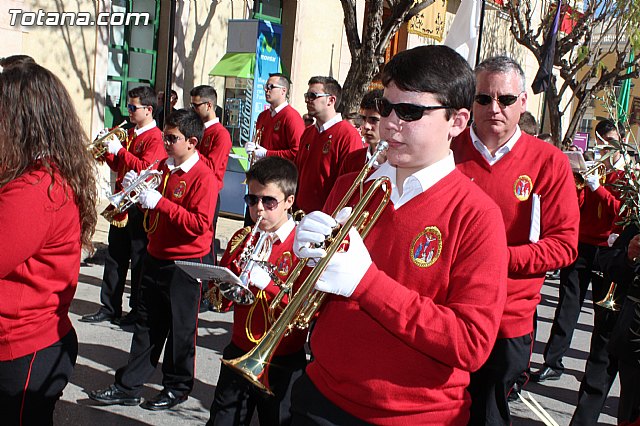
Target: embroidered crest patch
{"x": 426, "y": 247}
{"x": 522, "y": 187}
{"x": 180, "y": 189}
{"x": 276, "y": 126}
{"x": 327, "y": 146}
{"x": 283, "y": 264}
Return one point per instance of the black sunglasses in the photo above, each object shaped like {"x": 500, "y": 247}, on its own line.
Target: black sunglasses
{"x": 195, "y": 105}
{"x": 405, "y": 112}
{"x": 504, "y": 100}
{"x": 269, "y": 202}
{"x": 311, "y": 96}
{"x": 272, "y": 86}
{"x": 171, "y": 139}
{"x": 133, "y": 108}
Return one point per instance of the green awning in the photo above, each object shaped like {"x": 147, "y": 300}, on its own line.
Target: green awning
{"x": 235, "y": 65}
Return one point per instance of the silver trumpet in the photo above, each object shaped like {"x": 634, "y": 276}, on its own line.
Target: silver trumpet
{"x": 251, "y": 256}
{"x": 149, "y": 178}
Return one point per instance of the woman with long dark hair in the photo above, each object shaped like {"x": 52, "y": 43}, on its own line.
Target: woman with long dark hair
{"x": 47, "y": 214}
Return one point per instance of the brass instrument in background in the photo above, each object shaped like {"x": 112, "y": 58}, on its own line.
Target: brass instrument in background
{"x": 580, "y": 177}
{"x": 121, "y": 201}
{"x": 257, "y": 138}
{"x": 609, "y": 301}
{"x": 98, "y": 147}
{"x": 306, "y": 300}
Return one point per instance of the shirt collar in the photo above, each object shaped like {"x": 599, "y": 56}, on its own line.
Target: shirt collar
{"x": 328, "y": 124}
{"x": 186, "y": 166}
{"x": 211, "y": 122}
{"x": 279, "y": 108}
{"x": 284, "y": 231}
{"x": 418, "y": 182}
{"x": 504, "y": 149}
{"x": 141, "y": 130}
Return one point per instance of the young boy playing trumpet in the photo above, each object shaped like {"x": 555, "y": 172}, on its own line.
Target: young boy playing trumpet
{"x": 179, "y": 222}
{"x": 271, "y": 187}
{"x": 415, "y": 308}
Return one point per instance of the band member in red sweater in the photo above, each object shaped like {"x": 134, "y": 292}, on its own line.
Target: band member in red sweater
{"x": 424, "y": 294}
{"x": 370, "y": 132}
{"x": 179, "y": 223}
{"x": 281, "y": 126}
{"x": 271, "y": 188}
{"x": 127, "y": 239}
{"x": 216, "y": 144}
{"x": 532, "y": 183}
{"x": 48, "y": 210}
{"x": 324, "y": 146}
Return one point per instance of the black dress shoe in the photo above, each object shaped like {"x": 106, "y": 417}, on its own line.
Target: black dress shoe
{"x": 163, "y": 401}
{"x": 129, "y": 319}
{"x": 546, "y": 373}
{"x": 112, "y": 396}
{"x": 99, "y": 316}
{"x": 515, "y": 391}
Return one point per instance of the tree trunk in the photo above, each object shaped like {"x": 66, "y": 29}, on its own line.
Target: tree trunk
{"x": 360, "y": 74}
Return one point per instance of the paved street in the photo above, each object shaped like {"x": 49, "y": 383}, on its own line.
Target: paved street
{"x": 104, "y": 347}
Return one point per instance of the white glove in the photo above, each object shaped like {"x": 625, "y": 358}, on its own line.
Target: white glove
{"x": 593, "y": 182}
{"x": 250, "y": 147}
{"x": 149, "y": 199}
{"x": 129, "y": 177}
{"x": 101, "y": 133}
{"x": 261, "y": 152}
{"x": 114, "y": 145}
{"x": 313, "y": 229}
{"x": 345, "y": 270}
{"x": 612, "y": 239}
{"x": 258, "y": 277}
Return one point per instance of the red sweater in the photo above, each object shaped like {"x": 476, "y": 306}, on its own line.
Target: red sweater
{"x": 40, "y": 262}
{"x": 425, "y": 315}
{"x": 184, "y": 214}
{"x": 254, "y": 317}
{"x": 138, "y": 153}
{"x": 214, "y": 149}
{"x": 542, "y": 169}
{"x": 598, "y": 213}
{"x": 281, "y": 133}
{"x": 354, "y": 161}
{"x": 319, "y": 161}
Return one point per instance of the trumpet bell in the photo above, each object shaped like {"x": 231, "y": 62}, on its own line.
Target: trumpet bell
{"x": 609, "y": 301}
{"x": 236, "y": 292}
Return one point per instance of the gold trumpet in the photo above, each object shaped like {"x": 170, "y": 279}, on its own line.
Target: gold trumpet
{"x": 254, "y": 364}
{"x": 121, "y": 201}
{"x": 98, "y": 147}
{"x": 609, "y": 301}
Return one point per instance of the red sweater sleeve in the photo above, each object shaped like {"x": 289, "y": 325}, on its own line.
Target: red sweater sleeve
{"x": 215, "y": 148}
{"x": 152, "y": 149}
{"x": 291, "y": 132}
{"x": 460, "y": 332}
{"x": 559, "y": 221}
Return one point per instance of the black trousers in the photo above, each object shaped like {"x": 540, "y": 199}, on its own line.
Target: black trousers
{"x": 625, "y": 344}
{"x": 574, "y": 282}
{"x": 310, "y": 407}
{"x": 31, "y": 385}
{"x": 167, "y": 312}
{"x": 236, "y": 399}
{"x": 491, "y": 384}
{"x": 127, "y": 243}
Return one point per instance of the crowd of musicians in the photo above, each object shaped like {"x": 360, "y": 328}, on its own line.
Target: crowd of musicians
{"x": 427, "y": 317}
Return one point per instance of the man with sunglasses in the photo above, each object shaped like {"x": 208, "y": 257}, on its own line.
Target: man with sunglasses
{"x": 370, "y": 132}
{"x": 127, "y": 238}
{"x": 281, "y": 125}
{"x": 532, "y": 183}
{"x": 415, "y": 307}
{"x": 323, "y": 146}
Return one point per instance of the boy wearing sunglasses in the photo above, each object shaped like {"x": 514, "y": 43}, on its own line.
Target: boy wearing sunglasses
{"x": 271, "y": 187}
{"x": 415, "y": 307}
{"x": 532, "y": 183}
{"x": 324, "y": 146}
{"x": 178, "y": 219}
{"x": 127, "y": 239}
{"x": 281, "y": 125}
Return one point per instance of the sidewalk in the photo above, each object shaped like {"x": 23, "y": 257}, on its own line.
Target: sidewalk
{"x": 104, "y": 347}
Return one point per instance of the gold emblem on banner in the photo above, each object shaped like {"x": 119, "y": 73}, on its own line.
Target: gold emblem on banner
{"x": 430, "y": 21}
